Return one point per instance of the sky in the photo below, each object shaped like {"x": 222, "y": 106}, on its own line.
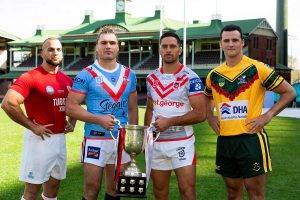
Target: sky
{"x": 21, "y": 18}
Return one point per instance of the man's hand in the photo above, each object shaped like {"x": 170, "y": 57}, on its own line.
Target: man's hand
{"x": 108, "y": 122}
{"x": 258, "y": 123}
{"x": 214, "y": 123}
{"x": 161, "y": 123}
{"x": 41, "y": 130}
{"x": 69, "y": 127}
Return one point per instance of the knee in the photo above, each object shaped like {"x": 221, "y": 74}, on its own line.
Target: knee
{"x": 92, "y": 190}
{"x": 161, "y": 192}
{"x": 187, "y": 191}
{"x": 235, "y": 192}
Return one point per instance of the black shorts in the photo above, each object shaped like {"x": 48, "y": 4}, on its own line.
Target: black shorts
{"x": 243, "y": 156}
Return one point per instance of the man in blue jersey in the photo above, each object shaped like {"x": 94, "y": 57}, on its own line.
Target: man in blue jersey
{"x": 109, "y": 91}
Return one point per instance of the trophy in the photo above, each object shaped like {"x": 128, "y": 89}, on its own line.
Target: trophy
{"x": 132, "y": 182}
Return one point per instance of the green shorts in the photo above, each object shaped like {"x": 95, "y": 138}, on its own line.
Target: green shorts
{"x": 243, "y": 156}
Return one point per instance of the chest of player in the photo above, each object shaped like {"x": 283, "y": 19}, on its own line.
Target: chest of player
{"x": 51, "y": 89}
{"x": 169, "y": 85}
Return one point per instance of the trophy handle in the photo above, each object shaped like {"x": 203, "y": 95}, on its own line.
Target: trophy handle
{"x": 150, "y": 129}
{"x": 119, "y": 124}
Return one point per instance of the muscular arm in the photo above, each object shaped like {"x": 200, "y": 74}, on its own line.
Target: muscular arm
{"x": 211, "y": 118}
{"x": 11, "y": 105}
{"x": 133, "y": 109}
{"x": 149, "y": 112}
{"x": 196, "y": 115}
{"x": 76, "y": 111}
{"x": 287, "y": 94}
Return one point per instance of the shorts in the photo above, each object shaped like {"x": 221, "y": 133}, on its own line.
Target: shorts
{"x": 43, "y": 158}
{"x": 99, "y": 152}
{"x": 243, "y": 156}
{"x": 169, "y": 155}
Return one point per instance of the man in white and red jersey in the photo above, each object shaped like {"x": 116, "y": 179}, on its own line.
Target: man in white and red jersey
{"x": 43, "y": 91}
{"x": 109, "y": 91}
{"x": 175, "y": 102}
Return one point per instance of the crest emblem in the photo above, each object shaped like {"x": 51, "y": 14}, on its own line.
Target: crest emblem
{"x": 221, "y": 82}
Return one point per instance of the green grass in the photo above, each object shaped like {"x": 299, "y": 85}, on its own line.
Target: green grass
{"x": 282, "y": 183}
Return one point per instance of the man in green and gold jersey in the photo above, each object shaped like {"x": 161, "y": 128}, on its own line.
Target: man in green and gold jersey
{"x": 238, "y": 88}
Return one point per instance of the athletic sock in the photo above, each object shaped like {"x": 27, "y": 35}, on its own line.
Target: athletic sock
{"x": 47, "y": 198}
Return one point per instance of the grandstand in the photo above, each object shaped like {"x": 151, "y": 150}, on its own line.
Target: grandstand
{"x": 139, "y": 42}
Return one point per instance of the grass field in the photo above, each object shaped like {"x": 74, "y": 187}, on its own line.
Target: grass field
{"x": 282, "y": 184}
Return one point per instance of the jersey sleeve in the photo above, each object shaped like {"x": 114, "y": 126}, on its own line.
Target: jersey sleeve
{"x": 80, "y": 83}
{"x": 269, "y": 78}
{"x": 207, "y": 89}
{"x": 148, "y": 86}
{"x": 133, "y": 81}
{"x": 23, "y": 84}
{"x": 195, "y": 85}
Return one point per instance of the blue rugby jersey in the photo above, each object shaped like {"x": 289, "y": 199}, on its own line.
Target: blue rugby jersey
{"x": 107, "y": 92}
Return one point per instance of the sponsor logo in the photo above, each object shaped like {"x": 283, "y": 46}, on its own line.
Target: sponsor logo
{"x": 50, "y": 90}
{"x": 242, "y": 79}
{"x": 181, "y": 153}
{"x": 196, "y": 85}
{"x": 256, "y": 167}
{"x": 68, "y": 88}
{"x": 60, "y": 102}
{"x": 93, "y": 152}
{"x": 79, "y": 81}
{"x": 111, "y": 106}
{"x": 164, "y": 103}
{"x": 30, "y": 175}
{"x": 96, "y": 133}
{"x": 234, "y": 110}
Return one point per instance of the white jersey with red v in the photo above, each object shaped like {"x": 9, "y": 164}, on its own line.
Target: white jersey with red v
{"x": 170, "y": 92}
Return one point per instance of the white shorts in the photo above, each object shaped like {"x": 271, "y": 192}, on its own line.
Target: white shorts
{"x": 43, "y": 158}
{"x": 169, "y": 155}
{"x": 99, "y": 152}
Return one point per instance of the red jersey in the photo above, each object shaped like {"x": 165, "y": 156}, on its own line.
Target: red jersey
{"x": 44, "y": 96}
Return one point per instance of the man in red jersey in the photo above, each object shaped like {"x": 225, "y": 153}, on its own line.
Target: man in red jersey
{"x": 43, "y": 91}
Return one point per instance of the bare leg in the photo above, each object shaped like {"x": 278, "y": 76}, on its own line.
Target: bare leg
{"x": 92, "y": 180}
{"x": 235, "y": 188}
{"x": 51, "y": 187}
{"x": 161, "y": 182}
{"x": 31, "y": 191}
{"x": 186, "y": 177}
{"x": 256, "y": 187}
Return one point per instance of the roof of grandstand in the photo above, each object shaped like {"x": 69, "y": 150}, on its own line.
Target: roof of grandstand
{"x": 9, "y": 36}
{"x": 129, "y": 28}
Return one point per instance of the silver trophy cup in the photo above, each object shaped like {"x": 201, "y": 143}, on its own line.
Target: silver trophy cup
{"x": 134, "y": 145}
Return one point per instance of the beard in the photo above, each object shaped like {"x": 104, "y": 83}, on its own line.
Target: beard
{"x": 53, "y": 63}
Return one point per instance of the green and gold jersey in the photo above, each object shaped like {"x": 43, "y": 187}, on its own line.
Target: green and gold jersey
{"x": 239, "y": 92}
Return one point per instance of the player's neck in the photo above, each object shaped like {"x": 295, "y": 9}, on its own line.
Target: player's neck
{"x": 50, "y": 68}
{"x": 171, "y": 68}
{"x": 233, "y": 61}
{"x": 107, "y": 64}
